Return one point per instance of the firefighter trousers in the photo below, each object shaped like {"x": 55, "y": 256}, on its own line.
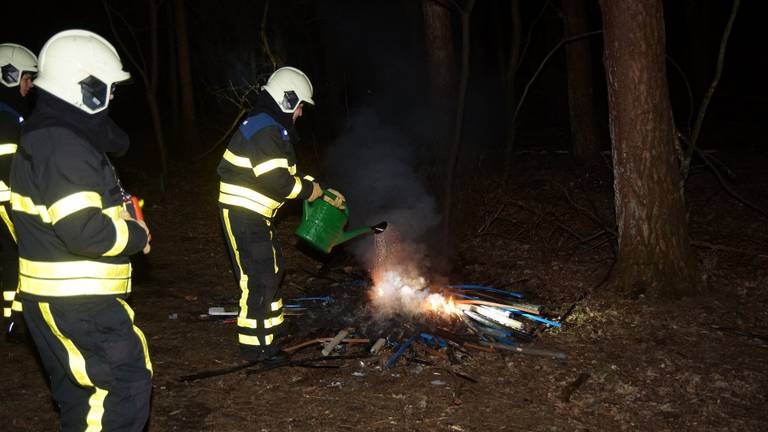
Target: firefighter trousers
{"x": 9, "y": 261}
{"x": 97, "y": 362}
{"x": 257, "y": 264}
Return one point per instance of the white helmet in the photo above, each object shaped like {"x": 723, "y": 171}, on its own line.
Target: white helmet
{"x": 80, "y": 67}
{"x": 14, "y": 61}
{"x": 289, "y": 86}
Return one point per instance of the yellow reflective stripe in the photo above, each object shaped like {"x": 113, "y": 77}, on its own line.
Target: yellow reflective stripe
{"x": 6, "y": 312}
{"x": 253, "y": 340}
{"x": 72, "y": 278}
{"x": 73, "y": 287}
{"x": 7, "y": 220}
{"x": 6, "y": 149}
{"x": 292, "y": 169}
{"x": 269, "y": 166}
{"x": 5, "y": 188}
{"x": 274, "y": 322}
{"x": 243, "y": 277}
{"x": 76, "y": 359}
{"x": 9, "y": 295}
{"x": 236, "y": 160}
{"x": 16, "y": 306}
{"x": 96, "y": 402}
{"x": 5, "y": 195}
{"x": 275, "y": 306}
{"x": 246, "y": 203}
{"x": 73, "y": 269}
{"x": 121, "y": 237}
{"x": 26, "y": 205}
{"x": 113, "y": 212}
{"x": 249, "y": 194}
{"x": 73, "y": 203}
{"x": 140, "y": 334}
{"x": 268, "y": 323}
{"x": 296, "y": 188}
{"x": 309, "y": 177}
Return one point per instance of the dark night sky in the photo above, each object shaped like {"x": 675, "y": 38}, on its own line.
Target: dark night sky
{"x": 369, "y": 54}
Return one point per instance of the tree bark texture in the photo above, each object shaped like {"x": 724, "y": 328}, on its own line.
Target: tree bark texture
{"x": 187, "y": 102}
{"x": 585, "y": 135}
{"x": 441, "y": 63}
{"x": 655, "y": 257}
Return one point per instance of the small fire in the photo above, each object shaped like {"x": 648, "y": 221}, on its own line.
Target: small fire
{"x": 398, "y": 286}
{"x": 394, "y": 291}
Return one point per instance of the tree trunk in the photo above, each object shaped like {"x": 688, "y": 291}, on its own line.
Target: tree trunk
{"x": 188, "y": 125}
{"x": 152, "y": 85}
{"x": 585, "y": 135}
{"x": 455, "y": 149}
{"x": 655, "y": 257}
{"x": 441, "y": 64}
{"x": 510, "y": 67}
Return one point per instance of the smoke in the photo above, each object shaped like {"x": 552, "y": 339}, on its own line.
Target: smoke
{"x": 376, "y": 168}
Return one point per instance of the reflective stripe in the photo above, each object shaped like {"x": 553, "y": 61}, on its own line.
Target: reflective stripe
{"x": 253, "y": 340}
{"x": 16, "y": 306}
{"x": 6, "y": 312}
{"x": 76, "y": 359}
{"x": 309, "y": 177}
{"x": 292, "y": 169}
{"x": 243, "y": 277}
{"x": 236, "y": 160}
{"x": 7, "y": 220}
{"x": 140, "y": 334}
{"x": 24, "y": 204}
{"x": 6, "y": 149}
{"x": 73, "y": 278}
{"x": 77, "y": 367}
{"x": 296, "y": 188}
{"x": 95, "y": 414}
{"x": 73, "y": 203}
{"x": 247, "y": 198}
{"x": 5, "y": 195}
{"x": 269, "y": 165}
{"x": 274, "y": 253}
{"x": 268, "y": 323}
{"x": 121, "y": 237}
{"x": 275, "y": 306}
{"x": 9, "y": 295}
{"x": 113, "y": 212}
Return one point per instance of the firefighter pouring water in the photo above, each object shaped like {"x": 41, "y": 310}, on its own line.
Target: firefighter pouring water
{"x": 258, "y": 174}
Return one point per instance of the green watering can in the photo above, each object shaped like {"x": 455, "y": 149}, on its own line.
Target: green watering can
{"x": 322, "y": 225}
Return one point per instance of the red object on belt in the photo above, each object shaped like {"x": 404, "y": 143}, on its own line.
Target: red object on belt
{"x": 137, "y": 208}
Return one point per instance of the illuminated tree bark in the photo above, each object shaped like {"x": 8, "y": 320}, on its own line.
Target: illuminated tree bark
{"x": 655, "y": 257}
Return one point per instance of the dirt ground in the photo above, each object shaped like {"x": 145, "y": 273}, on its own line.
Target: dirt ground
{"x": 692, "y": 365}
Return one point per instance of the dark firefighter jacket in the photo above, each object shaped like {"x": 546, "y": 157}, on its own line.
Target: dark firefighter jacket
{"x": 258, "y": 169}
{"x": 10, "y": 129}
{"x": 65, "y": 200}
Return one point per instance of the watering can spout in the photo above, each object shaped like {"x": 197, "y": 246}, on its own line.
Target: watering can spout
{"x": 349, "y": 235}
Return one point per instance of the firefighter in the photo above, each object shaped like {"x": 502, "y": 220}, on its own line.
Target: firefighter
{"x": 18, "y": 66}
{"x": 75, "y": 238}
{"x": 258, "y": 174}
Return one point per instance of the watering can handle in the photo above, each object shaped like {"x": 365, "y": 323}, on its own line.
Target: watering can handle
{"x": 331, "y": 195}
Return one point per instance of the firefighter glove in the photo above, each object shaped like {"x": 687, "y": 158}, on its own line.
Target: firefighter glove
{"x": 316, "y": 192}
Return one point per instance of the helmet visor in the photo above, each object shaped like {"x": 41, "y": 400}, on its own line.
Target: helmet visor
{"x": 11, "y": 75}
{"x": 95, "y": 92}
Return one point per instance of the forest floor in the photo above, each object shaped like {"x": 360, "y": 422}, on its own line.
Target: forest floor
{"x": 696, "y": 364}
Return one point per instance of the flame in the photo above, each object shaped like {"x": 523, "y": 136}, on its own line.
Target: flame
{"x": 395, "y": 291}
{"x": 398, "y": 286}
